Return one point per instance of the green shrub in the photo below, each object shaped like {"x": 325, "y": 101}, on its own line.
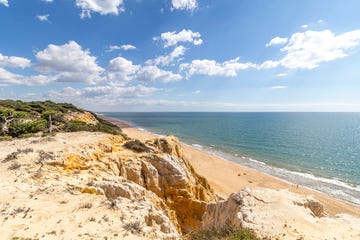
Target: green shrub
{"x": 228, "y": 233}
{"x": 18, "y": 128}
{"x": 33, "y": 117}
{"x": 38, "y": 106}
{"x": 107, "y": 129}
{"x": 76, "y": 126}
{"x": 5, "y": 138}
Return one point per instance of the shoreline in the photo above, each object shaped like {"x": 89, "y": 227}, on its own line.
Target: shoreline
{"x": 226, "y": 176}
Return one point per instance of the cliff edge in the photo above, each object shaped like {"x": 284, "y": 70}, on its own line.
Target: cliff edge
{"x": 94, "y": 185}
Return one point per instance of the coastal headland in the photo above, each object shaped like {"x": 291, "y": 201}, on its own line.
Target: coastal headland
{"x": 90, "y": 180}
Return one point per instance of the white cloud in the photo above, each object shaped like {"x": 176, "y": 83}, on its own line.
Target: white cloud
{"x": 279, "y": 87}
{"x": 13, "y": 78}
{"x": 5, "y": 3}
{"x": 184, "y": 4}
{"x": 70, "y": 63}
{"x": 8, "y": 77}
{"x": 14, "y": 62}
{"x": 213, "y": 68}
{"x": 43, "y": 18}
{"x": 167, "y": 59}
{"x": 47, "y": 1}
{"x": 269, "y": 64}
{"x": 281, "y": 74}
{"x": 102, "y": 7}
{"x": 173, "y": 38}
{"x": 276, "y": 41}
{"x": 121, "y": 70}
{"x": 308, "y": 49}
{"x": 320, "y": 21}
{"x": 153, "y": 73}
{"x": 125, "y": 47}
{"x": 305, "y": 26}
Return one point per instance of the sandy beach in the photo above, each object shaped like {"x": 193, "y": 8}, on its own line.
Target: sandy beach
{"x": 227, "y": 177}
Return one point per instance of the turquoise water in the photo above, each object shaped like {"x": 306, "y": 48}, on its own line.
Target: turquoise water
{"x": 317, "y": 150}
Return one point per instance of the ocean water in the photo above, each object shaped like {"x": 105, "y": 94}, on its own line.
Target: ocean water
{"x": 316, "y": 150}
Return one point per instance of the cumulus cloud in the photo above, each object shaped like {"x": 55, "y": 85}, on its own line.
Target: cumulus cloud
{"x": 102, "y": 7}
{"x": 184, "y": 4}
{"x": 13, "y": 78}
{"x": 173, "y": 38}
{"x": 121, "y": 70}
{"x": 70, "y": 63}
{"x": 308, "y": 49}
{"x": 125, "y": 47}
{"x": 14, "y": 62}
{"x": 5, "y": 3}
{"x": 276, "y": 41}
{"x": 9, "y": 77}
{"x": 43, "y": 18}
{"x": 305, "y": 26}
{"x": 213, "y": 68}
{"x": 155, "y": 74}
{"x": 167, "y": 59}
{"x": 47, "y": 1}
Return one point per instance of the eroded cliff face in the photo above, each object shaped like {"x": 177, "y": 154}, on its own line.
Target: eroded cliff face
{"x": 85, "y": 117}
{"x": 280, "y": 214}
{"x": 144, "y": 189}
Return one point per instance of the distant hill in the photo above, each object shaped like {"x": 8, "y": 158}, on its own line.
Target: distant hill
{"x": 24, "y": 119}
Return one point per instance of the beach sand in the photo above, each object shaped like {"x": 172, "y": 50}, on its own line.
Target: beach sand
{"x": 227, "y": 177}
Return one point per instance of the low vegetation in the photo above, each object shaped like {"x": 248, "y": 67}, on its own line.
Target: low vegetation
{"x": 137, "y": 146}
{"x": 134, "y": 227}
{"x": 26, "y": 119}
{"x": 228, "y": 233}
{"x": 14, "y": 155}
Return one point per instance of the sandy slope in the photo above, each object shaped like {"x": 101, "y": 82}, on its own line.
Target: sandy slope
{"x": 62, "y": 201}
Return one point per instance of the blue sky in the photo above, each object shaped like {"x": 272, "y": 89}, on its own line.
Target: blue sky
{"x": 182, "y": 55}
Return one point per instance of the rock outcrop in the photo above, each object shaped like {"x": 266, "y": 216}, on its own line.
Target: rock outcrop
{"x": 85, "y": 117}
{"x": 279, "y": 214}
{"x": 150, "y": 189}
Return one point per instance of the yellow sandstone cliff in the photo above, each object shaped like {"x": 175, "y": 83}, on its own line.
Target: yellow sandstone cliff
{"x": 149, "y": 185}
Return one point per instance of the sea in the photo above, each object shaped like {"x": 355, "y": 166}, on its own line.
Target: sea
{"x": 320, "y": 151}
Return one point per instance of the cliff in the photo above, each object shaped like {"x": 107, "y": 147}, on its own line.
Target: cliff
{"x": 280, "y": 214}
{"x": 96, "y": 185}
